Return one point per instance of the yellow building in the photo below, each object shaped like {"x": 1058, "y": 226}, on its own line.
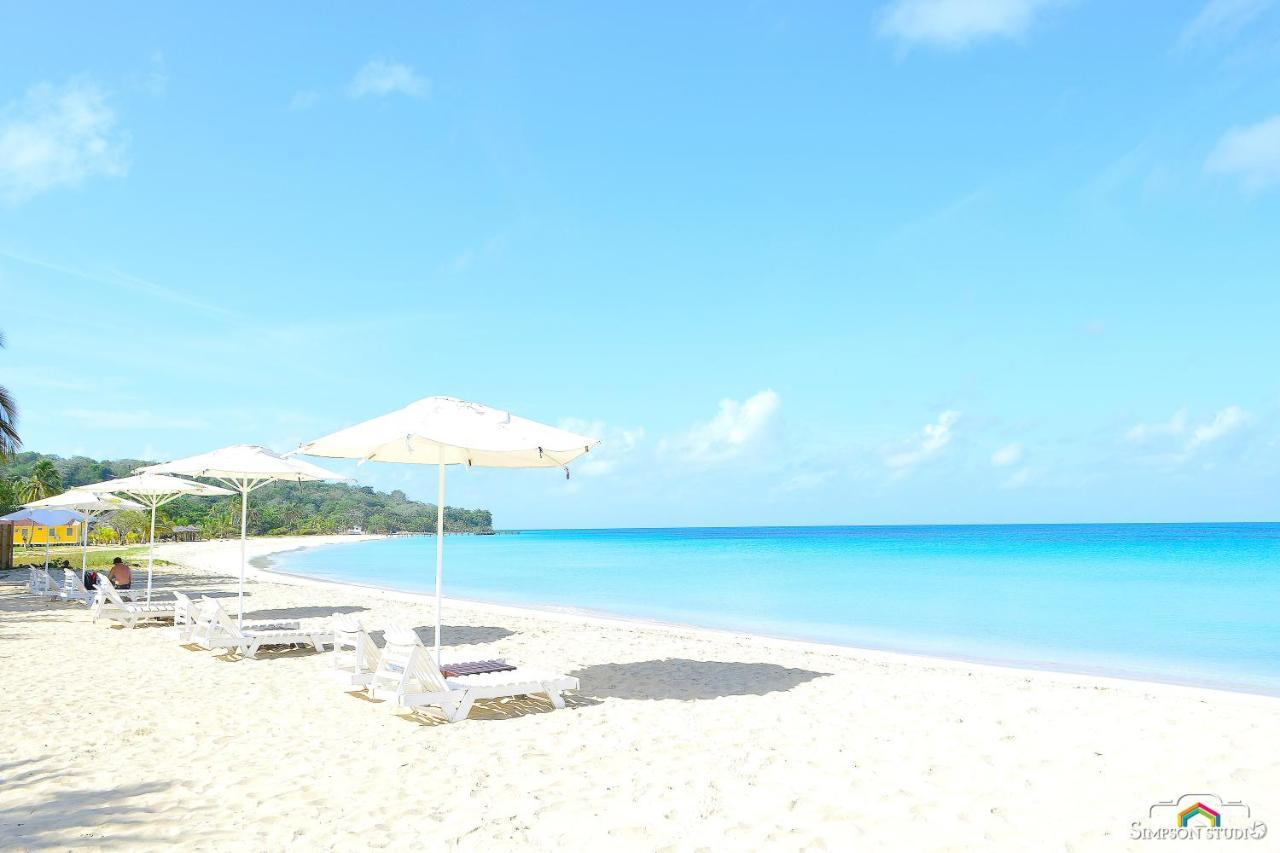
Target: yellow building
{"x": 36, "y": 534}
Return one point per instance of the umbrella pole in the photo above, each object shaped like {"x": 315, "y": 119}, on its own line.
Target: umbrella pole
{"x": 84, "y": 549}
{"x": 244, "y": 520}
{"x": 439, "y": 554}
{"x": 151, "y": 552}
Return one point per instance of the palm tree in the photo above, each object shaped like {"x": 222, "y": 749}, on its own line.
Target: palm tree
{"x": 9, "y": 440}
{"x": 44, "y": 481}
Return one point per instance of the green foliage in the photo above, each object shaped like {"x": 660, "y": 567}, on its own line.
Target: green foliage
{"x": 278, "y": 509}
{"x": 10, "y": 441}
{"x": 44, "y": 481}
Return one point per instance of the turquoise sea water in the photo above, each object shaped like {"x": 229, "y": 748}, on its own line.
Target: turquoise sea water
{"x": 1196, "y": 603}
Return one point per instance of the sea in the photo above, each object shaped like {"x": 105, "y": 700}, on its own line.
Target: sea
{"x": 1183, "y": 603}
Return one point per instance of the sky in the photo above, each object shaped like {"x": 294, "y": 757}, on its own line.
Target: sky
{"x": 905, "y": 261}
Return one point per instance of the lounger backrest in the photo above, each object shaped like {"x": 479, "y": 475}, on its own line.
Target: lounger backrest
{"x": 353, "y": 648}
{"x": 108, "y": 589}
{"x": 405, "y": 665}
{"x": 183, "y": 609}
{"x": 71, "y": 581}
{"x": 220, "y": 618}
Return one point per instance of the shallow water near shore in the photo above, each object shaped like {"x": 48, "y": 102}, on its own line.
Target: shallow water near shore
{"x": 1183, "y": 603}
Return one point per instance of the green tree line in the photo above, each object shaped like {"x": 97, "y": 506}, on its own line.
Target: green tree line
{"x": 278, "y": 509}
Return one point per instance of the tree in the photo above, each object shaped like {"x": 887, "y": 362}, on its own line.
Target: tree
{"x": 130, "y": 522}
{"x": 9, "y": 440}
{"x": 10, "y": 495}
{"x": 44, "y": 481}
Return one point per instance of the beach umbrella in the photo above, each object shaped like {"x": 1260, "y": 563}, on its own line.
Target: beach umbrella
{"x": 91, "y": 504}
{"x": 154, "y": 491}
{"x": 444, "y": 431}
{"x": 43, "y": 518}
{"x": 243, "y": 467}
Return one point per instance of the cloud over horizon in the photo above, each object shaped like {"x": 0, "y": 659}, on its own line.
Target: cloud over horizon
{"x": 932, "y": 440}
{"x": 736, "y": 427}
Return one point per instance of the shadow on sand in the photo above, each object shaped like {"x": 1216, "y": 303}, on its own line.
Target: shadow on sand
{"x": 677, "y": 678}
{"x": 454, "y": 635}
{"x": 66, "y": 818}
{"x": 311, "y": 612}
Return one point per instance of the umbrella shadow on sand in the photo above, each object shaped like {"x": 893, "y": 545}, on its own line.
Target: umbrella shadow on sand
{"x": 453, "y": 635}
{"x": 678, "y": 678}
{"x": 313, "y": 612}
{"x": 66, "y": 818}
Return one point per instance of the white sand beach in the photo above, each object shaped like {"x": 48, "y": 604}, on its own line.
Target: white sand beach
{"x": 680, "y": 739}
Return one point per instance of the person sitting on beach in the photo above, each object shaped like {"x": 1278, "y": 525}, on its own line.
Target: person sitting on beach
{"x": 121, "y": 576}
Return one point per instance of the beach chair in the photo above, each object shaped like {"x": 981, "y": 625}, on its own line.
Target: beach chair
{"x": 355, "y": 655}
{"x": 73, "y": 588}
{"x": 185, "y": 617}
{"x": 109, "y": 604}
{"x": 408, "y": 675}
{"x": 48, "y": 586}
{"x": 214, "y": 629}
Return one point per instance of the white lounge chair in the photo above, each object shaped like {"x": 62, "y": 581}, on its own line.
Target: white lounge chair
{"x": 407, "y": 674}
{"x": 185, "y": 617}
{"x": 355, "y": 655}
{"x": 73, "y": 588}
{"x": 40, "y": 584}
{"x": 108, "y": 603}
{"x": 216, "y": 630}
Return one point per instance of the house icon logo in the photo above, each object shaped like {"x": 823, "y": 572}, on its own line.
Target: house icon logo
{"x": 1199, "y": 817}
{"x": 1199, "y": 810}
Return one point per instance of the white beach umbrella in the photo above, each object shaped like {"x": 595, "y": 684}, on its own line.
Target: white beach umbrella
{"x": 90, "y": 504}
{"x": 154, "y": 491}
{"x": 444, "y": 431}
{"x": 243, "y": 467}
{"x": 47, "y": 518}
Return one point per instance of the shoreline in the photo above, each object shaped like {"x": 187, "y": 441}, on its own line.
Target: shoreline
{"x": 262, "y": 563}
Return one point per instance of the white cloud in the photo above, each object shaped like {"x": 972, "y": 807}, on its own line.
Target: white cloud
{"x": 957, "y": 23}
{"x": 1008, "y": 455}
{"x": 304, "y": 99}
{"x": 132, "y": 419}
{"x": 735, "y": 428}
{"x": 1017, "y": 479}
{"x": 1250, "y": 153}
{"x": 1176, "y": 425}
{"x": 933, "y": 439}
{"x": 1221, "y": 19}
{"x": 1224, "y": 422}
{"x": 58, "y": 136}
{"x": 380, "y": 78}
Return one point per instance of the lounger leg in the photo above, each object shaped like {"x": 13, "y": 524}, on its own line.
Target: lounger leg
{"x": 557, "y": 701}
{"x": 460, "y": 711}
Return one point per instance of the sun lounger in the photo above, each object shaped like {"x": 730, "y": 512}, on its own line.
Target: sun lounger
{"x": 40, "y": 584}
{"x": 216, "y": 630}
{"x": 185, "y": 617}
{"x": 356, "y": 656}
{"x": 73, "y": 588}
{"x": 108, "y": 603}
{"x": 408, "y": 675}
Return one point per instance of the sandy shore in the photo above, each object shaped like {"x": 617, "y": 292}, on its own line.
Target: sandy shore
{"x": 679, "y": 739}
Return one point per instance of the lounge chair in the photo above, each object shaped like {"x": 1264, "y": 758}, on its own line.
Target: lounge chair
{"x": 185, "y": 617}
{"x": 109, "y": 604}
{"x": 214, "y": 629}
{"x": 356, "y": 656}
{"x": 40, "y": 584}
{"x": 73, "y": 588}
{"x": 407, "y": 674}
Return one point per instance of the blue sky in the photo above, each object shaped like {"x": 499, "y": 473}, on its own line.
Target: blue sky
{"x": 905, "y": 261}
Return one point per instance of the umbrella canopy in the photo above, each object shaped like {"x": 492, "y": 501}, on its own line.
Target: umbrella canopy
{"x": 455, "y": 432}
{"x": 444, "y": 431}
{"x": 89, "y": 503}
{"x": 43, "y": 518}
{"x": 243, "y": 467}
{"x": 154, "y": 491}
